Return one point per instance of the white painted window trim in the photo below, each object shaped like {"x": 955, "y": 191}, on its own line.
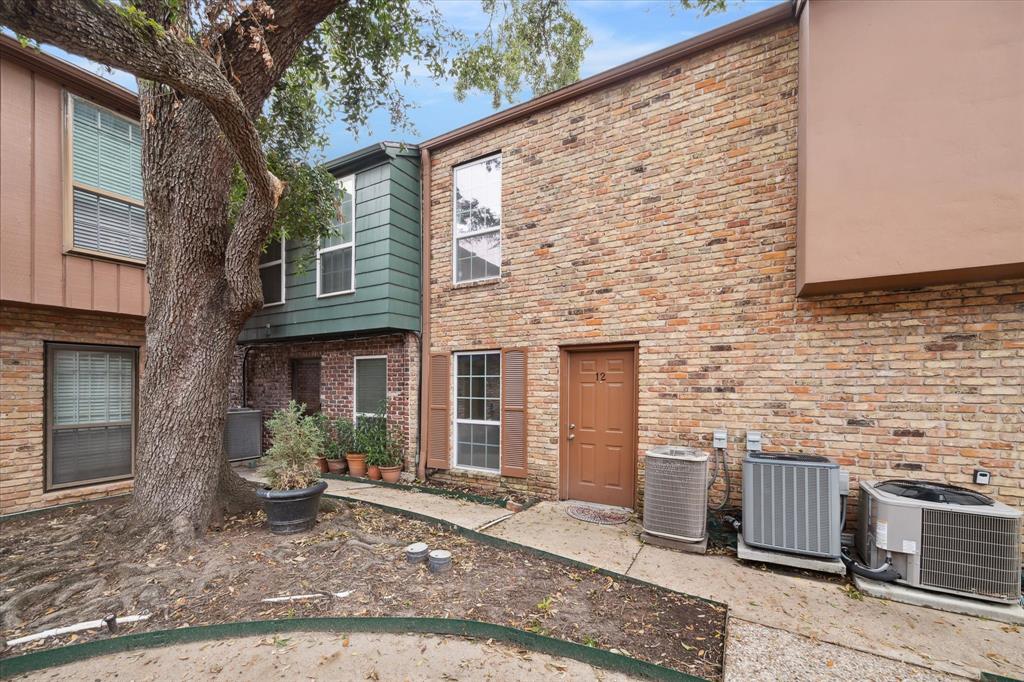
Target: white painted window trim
{"x": 281, "y": 261}
{"x": 355, "y": 379}
{"x": 70, "y": 184}
{"x": 455, "y": 414}
{"x": 345, "y": 245}
{"x": 456, "y": 238}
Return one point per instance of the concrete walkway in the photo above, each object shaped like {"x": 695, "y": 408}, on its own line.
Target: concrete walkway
{"x": 818, "y": 611}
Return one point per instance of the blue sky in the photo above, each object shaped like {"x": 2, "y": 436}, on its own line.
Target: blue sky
{"x": 621, "y": 30}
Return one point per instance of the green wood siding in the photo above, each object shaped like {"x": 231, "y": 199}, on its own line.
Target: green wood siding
{"x": 387, "y": 262}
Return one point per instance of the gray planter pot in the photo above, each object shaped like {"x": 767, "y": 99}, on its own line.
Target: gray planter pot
{"x": 292, "y": 511}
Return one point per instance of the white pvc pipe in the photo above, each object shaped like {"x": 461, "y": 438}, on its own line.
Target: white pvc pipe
{"x": 297, "y": 597}
{"x": 77, "y": 627}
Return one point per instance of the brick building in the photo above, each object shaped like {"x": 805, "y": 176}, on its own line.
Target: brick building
{"x": 72, "y": 287}
{"x": 339, "y": 329}
{"x": 667, "y": 248}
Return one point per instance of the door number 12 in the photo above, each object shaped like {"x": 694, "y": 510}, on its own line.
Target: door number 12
{"x": 598, "y": 376}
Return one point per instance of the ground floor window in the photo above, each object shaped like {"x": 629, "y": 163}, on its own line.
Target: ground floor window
{"x": 371, "y": 387}
{"x": 90, "y": 414}
{"x": 478, "y": 410}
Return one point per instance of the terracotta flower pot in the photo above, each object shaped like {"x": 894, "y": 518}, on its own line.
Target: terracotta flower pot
{"x": 374, "y": 471}
{"x": 356, "y": 464}
{"x": 321, "y": 464}
{"x": 391, "y": 474}
{"x": 336, "y": 466}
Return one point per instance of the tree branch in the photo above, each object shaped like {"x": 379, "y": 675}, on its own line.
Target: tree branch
{"x": 284, "y": 32}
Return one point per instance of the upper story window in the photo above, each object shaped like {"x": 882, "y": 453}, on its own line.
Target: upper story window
{"x": 272, "y": 273}
{"x": 477, "y": 223}
{"x": 107, "y": 213}
{"x": 336, "y": 255}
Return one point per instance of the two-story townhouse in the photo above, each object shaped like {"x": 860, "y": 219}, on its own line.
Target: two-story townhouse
{"x": 339, "y": 330}
{"x": 806, "y": 224}
{"x": 72, "y": 285}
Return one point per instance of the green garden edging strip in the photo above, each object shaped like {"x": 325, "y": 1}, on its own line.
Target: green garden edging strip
{"x": 440, "y": 492}
{"x": 601, "y": 658}
{"x": 501, "y": 543}
{"x": 993, "y": 677}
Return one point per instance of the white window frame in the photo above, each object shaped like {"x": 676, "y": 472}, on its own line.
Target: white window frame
{"x": 355, "y": 379}
{"x": 281, "y": 261}
{"x": 319, "y": 294}
{"x": 455, "y": 413}
{"x": 70, "y": 185}
{"x": 456, "y": 238}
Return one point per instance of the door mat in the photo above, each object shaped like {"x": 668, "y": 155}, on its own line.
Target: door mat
{"x": 593, "y": 513}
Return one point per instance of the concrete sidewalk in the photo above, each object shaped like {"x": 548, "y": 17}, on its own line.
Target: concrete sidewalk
{"x": 817, "y": 610}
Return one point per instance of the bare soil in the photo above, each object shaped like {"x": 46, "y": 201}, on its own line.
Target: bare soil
{"x": 74, "y": 565}
{"x": 354, "y": 657}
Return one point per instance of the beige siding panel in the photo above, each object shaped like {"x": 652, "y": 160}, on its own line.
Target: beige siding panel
{"x": 130, "y": 284}
{"x": 104, "y": 286}
{"x": 15, "y": 182}
{"x": 47, "y": 200}
{"x": 78, "y": 275}
{"x": 33, "y": 266}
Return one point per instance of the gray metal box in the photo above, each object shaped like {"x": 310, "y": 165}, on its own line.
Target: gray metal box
{"x": 941, "y": 537}
{"x": 243, "y": 434}
{"x": 792, "y": 503}
{"x": 676, "y": 493}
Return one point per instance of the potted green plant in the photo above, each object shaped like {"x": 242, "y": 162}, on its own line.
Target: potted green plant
{"x": 356, "y": 455}
{"x": 339, "y": 445}
{"x": 293, "y": 497}
{"x": 373, "y": 431}
{"x": 391, "y": 457}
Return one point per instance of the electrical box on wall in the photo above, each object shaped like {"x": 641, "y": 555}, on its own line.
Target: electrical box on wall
{"x": 982, "y": 477}
{"x": 721, "y": 439}
{"x": 753, "y": 441}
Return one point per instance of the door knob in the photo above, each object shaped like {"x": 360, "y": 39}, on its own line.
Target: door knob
{"x": 572, "y": 436}
{"x": 572, "y": 426}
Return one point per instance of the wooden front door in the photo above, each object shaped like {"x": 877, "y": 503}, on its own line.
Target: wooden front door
{"x": 599, "y": 426}
{"x": 306, "y": 383}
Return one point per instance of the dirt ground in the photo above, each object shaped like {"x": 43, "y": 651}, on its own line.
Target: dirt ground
{"x": 72, "y": 565}
{"x": 320, "y": 656}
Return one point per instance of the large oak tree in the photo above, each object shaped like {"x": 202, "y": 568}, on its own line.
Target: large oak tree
{"x": 234, "y": 97}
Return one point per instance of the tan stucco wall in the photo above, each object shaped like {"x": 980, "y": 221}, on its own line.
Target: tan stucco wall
{"x": 911, "y": 143}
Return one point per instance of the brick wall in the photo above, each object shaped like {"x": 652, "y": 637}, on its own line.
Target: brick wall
{"x": 23, "y": 332}
{"x": 663, "y": 211}
{"x": 269, "y": 385}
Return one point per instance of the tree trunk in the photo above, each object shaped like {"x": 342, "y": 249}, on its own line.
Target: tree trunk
{"x": 192, "y": 326}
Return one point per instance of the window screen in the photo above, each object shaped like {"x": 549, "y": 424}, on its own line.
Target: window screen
{"x": 91, "y": 414}
{"x": 477, "y": 230}
{"x": 478, "y": 410}
{"x": 371, "y": 389}
{"x": 108, "y": 214}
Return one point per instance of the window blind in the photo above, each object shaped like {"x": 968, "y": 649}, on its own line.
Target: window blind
{"x": 106, "y": 153}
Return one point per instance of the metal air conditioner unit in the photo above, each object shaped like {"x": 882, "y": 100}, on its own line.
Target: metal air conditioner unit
{"x": 243, "y": 434}
{"x": 941, "y": 537}
{"x": 793, "y": 503}
{"x": 676, "y": 493}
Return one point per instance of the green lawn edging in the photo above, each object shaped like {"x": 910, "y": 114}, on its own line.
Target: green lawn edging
{"x": 601, "y": 658}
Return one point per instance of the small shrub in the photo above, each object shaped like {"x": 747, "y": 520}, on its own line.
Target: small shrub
{"x": 338, "y": 435}
{"x": 382, "y": 445}
{"x": 296, "y": 442}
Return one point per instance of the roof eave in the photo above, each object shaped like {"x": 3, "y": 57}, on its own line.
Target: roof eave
{"x": 773, "y": 15}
